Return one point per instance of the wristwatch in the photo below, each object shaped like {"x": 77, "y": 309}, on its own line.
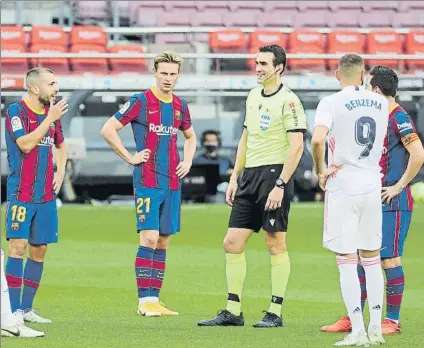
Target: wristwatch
{"x": 280, "y": 183}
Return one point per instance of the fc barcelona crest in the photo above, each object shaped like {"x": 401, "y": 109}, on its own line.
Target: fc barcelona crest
{"x": 15, "y": 226}
{"x": 142, "y": 218}
{"x": 178, "y": 115}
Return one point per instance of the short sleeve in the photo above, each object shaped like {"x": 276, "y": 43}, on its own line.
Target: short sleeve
{"x": 58, "y": 134}
{"x": 324, "y": 114}
{"x": 15, "y": 122}
{"x": 186, "y": 119}
{"x": 130, "y": 111}
{"x": 405, "y": 128}
{"x": 294, "y": 115}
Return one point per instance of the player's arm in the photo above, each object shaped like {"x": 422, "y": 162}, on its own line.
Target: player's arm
{"x": 114, "y": 124}
{"x": 240, "y": 157}
{"x": 27, "y": 141}
{"x": 295, "y": 124}
{"x": 190, "y": 143}
{"x": 322, "y": 124}
{"x": 410, "y": 140}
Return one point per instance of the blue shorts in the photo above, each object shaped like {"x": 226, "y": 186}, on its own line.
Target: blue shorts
{"x": 158, "y": 209}
{"x": 35, "y": 222}
{"x": 395, "y": 229}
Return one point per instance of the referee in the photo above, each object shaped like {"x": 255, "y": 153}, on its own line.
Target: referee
{"x": 268, "y": 153}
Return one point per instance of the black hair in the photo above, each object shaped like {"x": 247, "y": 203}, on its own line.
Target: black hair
{"x": 209, "y": 132}
{"x": 279, "y": 55}
{"x": 386, "y": 79}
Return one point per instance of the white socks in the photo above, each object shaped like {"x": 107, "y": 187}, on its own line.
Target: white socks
{"x": 351, "y": 292}
{"x": 143, "y": 300}
{"x": 375, "y": 288}
{"x": 7, "y": 318}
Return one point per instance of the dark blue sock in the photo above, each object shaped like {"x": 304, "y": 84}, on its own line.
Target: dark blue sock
{"x": 159, "y": 258}
{"x": 362, "y": 280}
{"x": 394, "y": 291}
{"x": 14, "y": 270}
{"x": 32, "y": 277}
{"x": 143, "y": 270}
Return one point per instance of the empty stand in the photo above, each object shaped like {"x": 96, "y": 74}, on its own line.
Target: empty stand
{"x": 347, "y": 18}
{"x": 90, "y": 65}
{"x": 271, "y": 6}
{"x": 318, "y": 18}
{"x": 384, "y": 42}
{"x": 251, "y": 4}
{"x": 228, "y": 41}
{"x": 336, "y": 6}
{"x": 379, "y": 5}
{"x": 86, "y": 34}
{"x": 13, "y": 65}
{"x": 58, "y": 65}
{"x": 92, "y": 9}
{"x": 52, "y": 35}
{"x": 242, "y": 18}
{"x": 383, "y": 18}
{"x": 176, "y": 18}
{"x": 342, "y": 42}
{"x": 207, "y": 5}
{"x": 277, "y": 19}
{"x": 306, "y": 41}
{"x": 12, "y": 34}
{"x": 413, "y": 19}
{"x": 186, "y": 5}
{"x": 260, "y": 38}
{"x": 407, "y": 6}
{"x": 119, "y": 65}
{"x": 414, "y": 44}
{"x": 312, "y": 5}
{"x": 210, "y": 18}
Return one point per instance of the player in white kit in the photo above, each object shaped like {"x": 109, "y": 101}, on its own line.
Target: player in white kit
{"x": 12, "y": 324}
{"x": 355, "y": 121}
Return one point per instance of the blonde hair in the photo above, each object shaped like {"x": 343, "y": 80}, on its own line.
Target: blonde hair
{"x": 351, "y": 64}
{"x": 168, "y": 57}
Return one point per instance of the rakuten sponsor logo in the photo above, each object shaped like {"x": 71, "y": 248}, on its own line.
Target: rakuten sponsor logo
{"x": 160, "y": 129}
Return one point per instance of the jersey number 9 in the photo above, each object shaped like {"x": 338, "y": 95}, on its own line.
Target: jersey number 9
{"x": 365, "y": 128}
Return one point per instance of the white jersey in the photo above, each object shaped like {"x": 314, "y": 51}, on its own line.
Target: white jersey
{"x": 357, "y": 120}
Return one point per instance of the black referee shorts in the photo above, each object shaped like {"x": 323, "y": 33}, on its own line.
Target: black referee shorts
{"x": 248, "y": 210}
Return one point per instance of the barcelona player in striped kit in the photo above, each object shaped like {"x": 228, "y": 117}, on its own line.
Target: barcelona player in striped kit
{"x": 402, "y": 159}
{"x": 32, "y": 129}
{"x": 156, "y": 116}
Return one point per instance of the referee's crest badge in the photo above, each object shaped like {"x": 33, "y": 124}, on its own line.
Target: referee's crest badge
{"x": 265, "y": 122}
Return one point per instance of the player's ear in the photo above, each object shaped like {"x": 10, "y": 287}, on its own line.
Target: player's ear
{"x": 337, "y": 73}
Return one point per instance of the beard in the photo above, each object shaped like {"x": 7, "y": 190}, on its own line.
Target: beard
{"x": 44, "y": 100}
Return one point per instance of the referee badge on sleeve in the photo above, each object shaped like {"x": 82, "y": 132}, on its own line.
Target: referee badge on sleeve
{"x": 265, "y": 122}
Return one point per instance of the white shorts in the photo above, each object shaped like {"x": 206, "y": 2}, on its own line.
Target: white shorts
{"x": 352, "y": 222}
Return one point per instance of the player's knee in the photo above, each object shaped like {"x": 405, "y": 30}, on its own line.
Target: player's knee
{"x": 369, "y": 253}
{"x": 391, "y": 262}
{"x": 37, "y": 252}
{"x": 163, "y": 242}
{"x": 149, "y": 239}
{"x": 275, "y": 246}
{"x": 17, "y": 247}
{"x": 232, "y": 245}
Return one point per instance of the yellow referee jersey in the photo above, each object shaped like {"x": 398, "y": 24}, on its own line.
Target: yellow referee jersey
{"x": 268, "y": 119}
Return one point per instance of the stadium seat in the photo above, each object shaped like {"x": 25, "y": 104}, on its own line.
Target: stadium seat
{"x": 210, "y": 18}
{"x": 52, "y": 35}
{"x": 92, "y": 9}
{"x": 135, "y": 65}
{"x": 186, "y": 5}
{"x": 344, "y": 41}
{"x": 87, "y": 34}
{"x": 171, "y": 38}
{"x": 224, "y": 40}
{"x": 90, "y": 65}
{"x": 176, "y": 18}
{"x": 337, "y": 5}
{"x": 406, "y": 6}
{"x": 13, "y": 65}
{"x": 147, "y": 17}
{"x": 277, "y": 19}
{"x": 414, "y": 44}
{"x": 344, "y": 18}
{"x": 251, "y": 4}
{"x": 206, "y": 5}
{"x": 138, "y": 8}
{"x": 379, "y": 5}
{"x": 384, "y": 42}
{"x": 306, "y": 41}
{"x": 242, "y": 18}
{"x": 318, "y": 18}
{"x": 379, "y": 18}
{"x": 260, "y": 38}
{"x": 413, "y": 19}
{"x": 271, "y": 6}
{"x": 12, "y": 34}
{"x": 58, "y": 65}
{"x": 312, "y": 5}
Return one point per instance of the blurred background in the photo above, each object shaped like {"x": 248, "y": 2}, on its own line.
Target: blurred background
{"x": 102, "y": 53}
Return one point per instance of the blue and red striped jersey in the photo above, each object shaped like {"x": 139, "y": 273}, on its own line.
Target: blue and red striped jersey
{"x": 155, "y": 124}
{"x": 400, "y": 133}
{"x": 30, "y": 174}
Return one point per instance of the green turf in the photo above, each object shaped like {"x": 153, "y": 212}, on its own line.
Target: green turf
{"x": 88, "y": 287}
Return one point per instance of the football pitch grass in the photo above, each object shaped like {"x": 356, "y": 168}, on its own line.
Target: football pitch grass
{"x": 88, "y": 287}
